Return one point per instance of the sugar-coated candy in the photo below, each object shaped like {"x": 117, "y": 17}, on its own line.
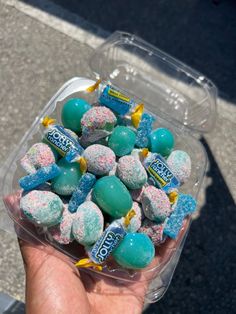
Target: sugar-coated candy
{"x": 88, "y": 223}
{"x": 39, "y": 155}
{"x": 42, "y": 207}
{"x": 100, "y": 159}
{"x": 186, "y": 205}
{"x": 180, "y": 164}
{"x": 115, "y": 100}
{"x": 60, "y": 139}
{"x": 161, "y": 141}
{"x": 67, "y": 181}
{"x": 112, "y": 172}
{"x": 153, "y": 230}
{"x": 144, "y": 130}
{"x": 135, "y": 222}
{"x": 122, "y": 140}
{"x": 135, "y": 251}
{"x": 160, "y": 173}
{"x": 137, "y": 194}
{"x": 39, "y": 177}
{"x": 131, "y": 172}
{"x": 97, "y": 123}
{"x": 109, "y": 240}
{"x": 155, "y": 203}
{"x": 62, "y": 233}
{"x": 85, "y": 185}
{"x": 112, "y": 196}
{"x": 72, "y": 113}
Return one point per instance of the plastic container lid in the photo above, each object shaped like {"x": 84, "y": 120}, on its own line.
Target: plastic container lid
{"x": 166, "y": 85}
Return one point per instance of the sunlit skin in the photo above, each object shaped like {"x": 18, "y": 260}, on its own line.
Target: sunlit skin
{"x": 54, "y": 285}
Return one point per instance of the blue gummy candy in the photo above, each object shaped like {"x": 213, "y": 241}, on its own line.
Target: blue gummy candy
{"x": 186, "y": 205}
{"x": 144, "y": 129}
{"x": 85, "y": 185}
{"x": 42, "y": 175}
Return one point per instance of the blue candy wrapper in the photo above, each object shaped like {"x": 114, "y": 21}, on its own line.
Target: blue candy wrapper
{"x": 109, "y": 240}
{"x": 161, "y": 175}
{"x": 63, "y": 142}
{"x": 115, "y": 100}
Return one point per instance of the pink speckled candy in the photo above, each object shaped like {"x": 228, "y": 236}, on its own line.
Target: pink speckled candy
{"x": 39, "y": 155}
{"x": 62, "y": 233}
{"x": 153, "y": 230}
{"x": 137, "y": 194}
{"x": 112, "y": 172}
{"x": 98, "y": 122}
{"x": 100, "y": 159}
{"x": 131, "y": 172}
{"x": 155, "y": 203}
{"x": 135, "y": 222}
{"x": 42, "y": 207}
{"x": 180, "y": 163}
{"x": 88, "y": 223}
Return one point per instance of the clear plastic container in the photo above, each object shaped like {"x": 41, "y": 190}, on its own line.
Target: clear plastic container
{"x": 182, "y": 99}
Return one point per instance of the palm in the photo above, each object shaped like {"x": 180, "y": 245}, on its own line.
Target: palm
{"x": 53, "y": 285}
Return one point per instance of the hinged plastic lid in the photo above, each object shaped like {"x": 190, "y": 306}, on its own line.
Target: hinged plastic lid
{"x": 164, "y": 84}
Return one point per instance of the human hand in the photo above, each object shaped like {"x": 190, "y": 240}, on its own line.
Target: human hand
{"x": 54, "y": 285}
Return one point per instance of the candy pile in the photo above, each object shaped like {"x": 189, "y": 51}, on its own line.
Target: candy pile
{"x": 106, "y": 166}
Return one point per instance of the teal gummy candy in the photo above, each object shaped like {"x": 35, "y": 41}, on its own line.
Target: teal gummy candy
{"x": 72, "y": 113}
{"x": 136, "y": 251}
{"x": 161, "y": 141}
{"x": 186, "y": 205}
{"x": 42, "y": 175}
{"x": 122, "y": 140}
{"x": 85, "y": 185}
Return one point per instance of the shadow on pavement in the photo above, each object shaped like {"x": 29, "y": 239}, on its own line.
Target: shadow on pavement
{"x": 205, "y": 279}
{"x": 201, "y": 33}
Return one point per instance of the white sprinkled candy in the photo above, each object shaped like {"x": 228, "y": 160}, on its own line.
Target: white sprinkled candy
{"x": 100, "y": 159}
{"x": 155, "y": 203}
{"x": 42, "y": 207}
{"x": 97, "y": 123}
{"x": 88, "y": 223}
{"x": 131, "y": 172}
{"x": 62, "y": 233}
{"x": 39, "y": 155}
{"x": 180, "y": 163}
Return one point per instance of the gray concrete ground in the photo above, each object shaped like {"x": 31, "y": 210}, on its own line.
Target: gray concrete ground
{"x": 35, "y": 60}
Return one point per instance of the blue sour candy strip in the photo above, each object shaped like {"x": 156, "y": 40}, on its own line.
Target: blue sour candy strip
{"x": 115, "y": 100}
{"x": 144, "y": 129}
{"x": 41, "y": 176}
{"x": 186, "y": 205}
{"x": 85, "y": 185}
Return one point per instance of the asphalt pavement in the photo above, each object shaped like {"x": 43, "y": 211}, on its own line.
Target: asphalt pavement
{"x": 39, "y": 55}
